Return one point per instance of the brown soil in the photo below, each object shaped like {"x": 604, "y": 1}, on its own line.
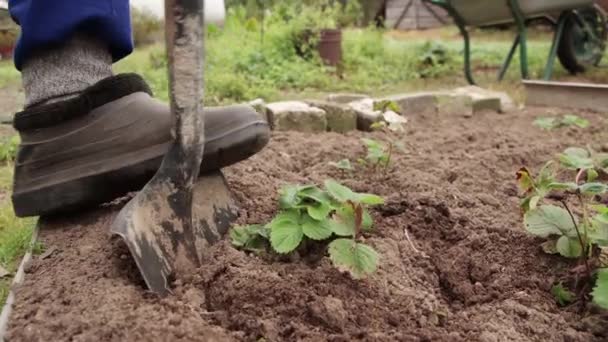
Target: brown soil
{"x": 477, "y": 276}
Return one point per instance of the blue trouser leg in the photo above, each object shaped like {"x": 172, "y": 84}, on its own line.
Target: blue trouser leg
{"x": 47, "y": 23}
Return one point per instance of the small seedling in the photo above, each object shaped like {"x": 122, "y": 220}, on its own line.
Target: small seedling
{"x": 568, "y": 120}
{"x": 562, "y": 295}
{"x": 343, "y": 164}
{"x": 576, "y": 234}
{"x": 379, "y": 154}
{"x": 335, "y": 214}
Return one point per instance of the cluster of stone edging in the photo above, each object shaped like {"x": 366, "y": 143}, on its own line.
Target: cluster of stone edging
{"x": 347, "y": 112}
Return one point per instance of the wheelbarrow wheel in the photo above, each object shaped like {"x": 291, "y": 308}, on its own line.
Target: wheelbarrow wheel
{"x": 580, "y": 49}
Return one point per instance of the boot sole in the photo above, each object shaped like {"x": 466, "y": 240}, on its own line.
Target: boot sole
{"x": 85, "y": 186}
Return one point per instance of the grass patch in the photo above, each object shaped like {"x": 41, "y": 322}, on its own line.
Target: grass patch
{"x": 8, "y": 74}
{"x": 15, "y": 233}
{"x": 15, "y": 241}
{"x": 242, "y": 65}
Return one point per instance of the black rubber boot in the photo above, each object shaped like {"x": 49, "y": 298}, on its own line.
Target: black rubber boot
{"x": 109, "y": 141}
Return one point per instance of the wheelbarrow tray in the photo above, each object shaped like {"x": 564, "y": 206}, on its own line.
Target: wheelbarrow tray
{"x": 491, "y": 12}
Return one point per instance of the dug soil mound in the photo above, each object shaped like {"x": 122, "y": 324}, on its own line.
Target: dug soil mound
{"x": 456, "y": 264}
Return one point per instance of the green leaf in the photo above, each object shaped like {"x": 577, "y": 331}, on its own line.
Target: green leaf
{"x": 602, "y": 218}
{"x": 546, "y": 123}
{"x": 593, "y": 188}
{"x": 592, "y": 175}
{"x": 600, "y": 291}
{"x": 548, "y": 220}
{"x": 378, "y": 125}
{"x": 577, "y": 152}
{"x": 319, "y": 211}
{"x": 344, "y": 194}
{"x": 375, "y": 151}
{"x": 356, "y": 258}
{"x": 368, "y": 199}
{"x": 339, "y": 191}
{"x": 573, "y": 120}
{"x": 289, "y": 196}
{"x": 576, "y": 158}
{"x": 286, "y": 232}
{"x": 372, "y": 144}
{"x": 524, "y": 180}
{"x": 316, "y": 230}
{"x": 343, "y": 164}
{"x": 601, "y": 159}
{"x": 600, "y": 208}
{"x": 569, "y": 247}
{"x": 562, "y": 186}
{"x": 546, "y": 175}
{"x": 367, "y": 222}
{"x": 524, "y": 204}
{"x": 562, "y": 295}
{"x": 534, "y": 202}
{"x": 598, "y": 232}
{"x": 315, "y": 194}
{"x": 250, "y": 238}
{"x": 240, "y": 236}
{"x": 343, "y": 223}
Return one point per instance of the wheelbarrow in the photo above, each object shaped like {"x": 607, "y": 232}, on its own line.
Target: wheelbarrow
{"x": 579, "y": 40}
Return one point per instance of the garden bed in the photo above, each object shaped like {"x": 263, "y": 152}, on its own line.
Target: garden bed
{"x": 456, "y": 263}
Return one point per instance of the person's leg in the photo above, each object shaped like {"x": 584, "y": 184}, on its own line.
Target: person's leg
{"x": 88, "y": 136}
{"x": 66, "y": 46}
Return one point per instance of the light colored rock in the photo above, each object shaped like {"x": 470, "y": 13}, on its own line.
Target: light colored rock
{"x": 330, "y": 311}
{"x": 260, "y": 107}
{"x": 346, "y": 98}
{"x": 414, "y": 103}
{"x": 393, "y": 118}
{"x": 454, "y": 104}
{"x": 366, "y": 115}
{"x": 340, "y": 118}
{"x": 484, "y": 99}
{"x": 296, "y": 116}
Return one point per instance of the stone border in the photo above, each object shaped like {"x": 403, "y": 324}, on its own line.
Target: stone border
{"x": 342, "y": 113}
{"x": 17, "y": 281}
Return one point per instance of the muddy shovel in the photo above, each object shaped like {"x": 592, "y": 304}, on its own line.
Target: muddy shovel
{"x": 168, "y": 224}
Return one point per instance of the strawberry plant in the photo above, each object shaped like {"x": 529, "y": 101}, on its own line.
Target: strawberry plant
{"x": 568, "y": 120}
{"x": 379, "y": 154}
{"x": 308, "y": 213}
{"x": 570, "y": 214}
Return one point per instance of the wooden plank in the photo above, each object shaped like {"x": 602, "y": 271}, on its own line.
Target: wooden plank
{"x": 403, "y": 13}
{"x": 567, "y": 95}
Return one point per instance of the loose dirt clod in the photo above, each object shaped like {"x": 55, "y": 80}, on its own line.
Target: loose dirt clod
{"x": 478, "y": 276}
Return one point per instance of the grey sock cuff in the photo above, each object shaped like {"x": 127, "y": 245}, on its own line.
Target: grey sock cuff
{"x": 64, "y": 72}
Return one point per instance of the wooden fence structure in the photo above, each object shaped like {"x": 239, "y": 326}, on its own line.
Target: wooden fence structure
{"x": 414, "y": 15}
